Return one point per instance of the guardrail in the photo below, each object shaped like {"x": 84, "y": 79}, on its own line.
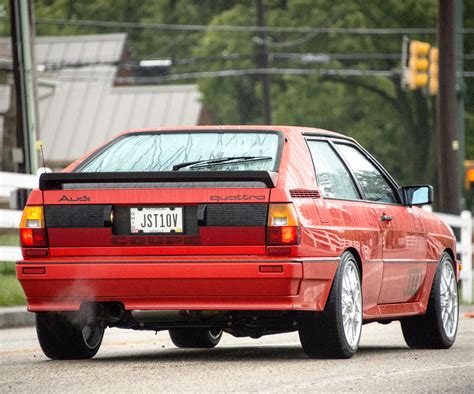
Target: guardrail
{"x": 11, "y": 219}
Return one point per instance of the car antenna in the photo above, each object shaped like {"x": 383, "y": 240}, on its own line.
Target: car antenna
{"x": 42, "y": 156}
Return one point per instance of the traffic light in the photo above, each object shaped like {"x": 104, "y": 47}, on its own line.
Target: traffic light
{"x": 469, "y": 178}
{"x": 433, "y": 72}
{"x": 418, "y": 64}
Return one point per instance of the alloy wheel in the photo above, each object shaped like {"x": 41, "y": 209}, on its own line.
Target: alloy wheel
{"x": 351, "y": 305}
{"x": 449, "y": 300}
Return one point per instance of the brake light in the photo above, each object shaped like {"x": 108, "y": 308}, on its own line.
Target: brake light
{"x": 32, "y": 229}
{"x": 283, "y": 225}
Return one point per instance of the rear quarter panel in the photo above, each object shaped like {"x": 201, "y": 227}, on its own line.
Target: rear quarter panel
{"x": 330, "y": 226}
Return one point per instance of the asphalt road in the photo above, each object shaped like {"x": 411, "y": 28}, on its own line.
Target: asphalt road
{"x": 130, "y": 361}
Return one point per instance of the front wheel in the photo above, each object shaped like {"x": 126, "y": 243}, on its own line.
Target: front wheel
{"x": 195, "y": 337}
{"x": 64, "y": 337}
{"x": 335, "y": 332}
{"x": 438, "y": 327}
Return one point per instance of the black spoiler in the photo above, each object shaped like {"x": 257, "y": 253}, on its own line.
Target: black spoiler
{"x": 55, "y": 181}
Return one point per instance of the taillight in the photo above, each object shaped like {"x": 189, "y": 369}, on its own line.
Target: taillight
{"x": 32, "y": 230}
{"x": 283, "y": 226}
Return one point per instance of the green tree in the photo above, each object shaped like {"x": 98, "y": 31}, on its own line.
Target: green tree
{"x": 372, "y": 109}
{"x": 396, "y": 125}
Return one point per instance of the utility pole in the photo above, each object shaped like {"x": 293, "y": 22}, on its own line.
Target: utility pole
{"x": 262, "y": 62}
{"x": 461, "y": 93}
{"x": 448, "y": 140}
{"x": 22, "y": 32}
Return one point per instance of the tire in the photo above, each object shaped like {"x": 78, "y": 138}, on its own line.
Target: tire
{"x": 335, "y": 332}
{"x": 195, "y": 338}
{"x": 438, "y": 327}
{"x": 61, "y": 337}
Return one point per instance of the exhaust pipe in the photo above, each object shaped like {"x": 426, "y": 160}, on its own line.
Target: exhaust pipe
{"x": 115, "y": 311}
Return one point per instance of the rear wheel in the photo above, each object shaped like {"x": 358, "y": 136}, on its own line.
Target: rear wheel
{"x": 438, "y": 327}
{"x": 335, "y": 332}
{"x": 64, "y": 337}
{"x": 195, "y": 337}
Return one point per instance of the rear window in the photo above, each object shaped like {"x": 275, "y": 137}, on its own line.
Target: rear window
{"x": 187, "y": 151}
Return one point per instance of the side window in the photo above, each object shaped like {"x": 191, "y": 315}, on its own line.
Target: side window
{"x": 374, "y": 185}
{"x": 333, "y": 178}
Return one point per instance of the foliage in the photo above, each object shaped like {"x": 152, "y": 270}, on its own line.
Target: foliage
{"x": 374, "y": 110}
{"x": 11, "y": 293}
{"x": 398, "y": 126}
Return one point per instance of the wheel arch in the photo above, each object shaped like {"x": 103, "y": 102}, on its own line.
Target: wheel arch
{"x": 451, "y": 254}
{"x": 358, "y": 259}
{"x": 430, "y": 279}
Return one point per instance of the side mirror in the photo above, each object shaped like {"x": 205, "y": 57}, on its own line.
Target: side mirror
{"x": 416, "y": 195}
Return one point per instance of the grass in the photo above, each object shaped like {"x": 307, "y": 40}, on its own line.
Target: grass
{"x": 11, "y": 293}
{"x": 9, "y": 237}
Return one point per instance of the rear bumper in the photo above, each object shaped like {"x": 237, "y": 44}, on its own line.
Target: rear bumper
{"x": 213, "y": 283}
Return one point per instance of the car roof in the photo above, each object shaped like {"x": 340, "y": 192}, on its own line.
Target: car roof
{"x": 287, "y": 130}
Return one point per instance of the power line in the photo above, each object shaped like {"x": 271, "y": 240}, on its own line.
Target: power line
{"x": 244, "y": 72}
{"x": 301, "y": 57}
{"x": 242, "y": 29}
{"x": 275, "y": 71}
{"x": 318, "y": 57}
{"x": 237, "y": 28}
{"x": 305, "y": 38}
{"x": 236, "y": 73}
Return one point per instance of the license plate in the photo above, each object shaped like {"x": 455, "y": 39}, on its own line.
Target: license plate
{"x": 156, "y": 220}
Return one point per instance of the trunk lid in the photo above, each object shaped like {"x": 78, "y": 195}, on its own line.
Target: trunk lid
{"x": 178, "y": 213}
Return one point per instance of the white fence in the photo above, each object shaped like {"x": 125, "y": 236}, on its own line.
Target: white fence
{"x": 11, "y": 219}
{"x": 10, "y": 181}
{"x": 464, "y": 248}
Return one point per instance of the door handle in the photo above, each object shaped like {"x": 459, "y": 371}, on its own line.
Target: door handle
{"x": 386, "y": 218}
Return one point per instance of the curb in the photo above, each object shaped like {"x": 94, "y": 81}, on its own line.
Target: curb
{"x": 18, "y": 316}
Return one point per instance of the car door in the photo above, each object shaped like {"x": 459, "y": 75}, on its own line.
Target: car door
{"x": 404, "y": 242}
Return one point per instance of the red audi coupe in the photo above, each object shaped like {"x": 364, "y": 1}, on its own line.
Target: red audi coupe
{"x": 251, "y": 231}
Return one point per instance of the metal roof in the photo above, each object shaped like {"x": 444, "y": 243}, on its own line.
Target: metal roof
{"x": 81, "y": 115}
{"x": 79, "y": 108}
{"x": 98, "y": 48}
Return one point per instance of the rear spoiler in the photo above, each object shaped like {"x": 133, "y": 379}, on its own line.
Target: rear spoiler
{"x": 55, "y": 181}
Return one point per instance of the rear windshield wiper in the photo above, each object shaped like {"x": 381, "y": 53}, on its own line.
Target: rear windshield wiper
{"x": 204, "y": 163}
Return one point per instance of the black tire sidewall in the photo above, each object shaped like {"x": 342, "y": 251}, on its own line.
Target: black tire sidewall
{"x": 61, "y": 339}
{"x": 194, "y": 338}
